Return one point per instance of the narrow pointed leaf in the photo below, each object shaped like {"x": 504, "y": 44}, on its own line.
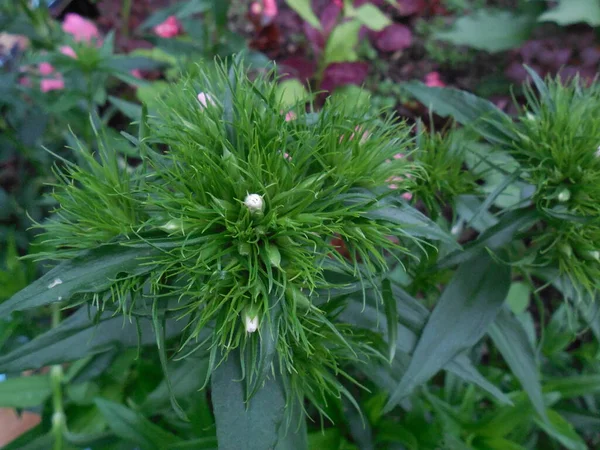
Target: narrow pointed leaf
{"x": 92, "y": 271}
{"x": 465, "y": 108}
{"x": 510, "y": 338}
{"x": 79, "y": 336}
{"x": 133, "y": 427}
{"x": 466, "y": 309}
{"x": 494, "y": 237}
{"x": 391, "y": 316}
{"x": 24, "y": 392}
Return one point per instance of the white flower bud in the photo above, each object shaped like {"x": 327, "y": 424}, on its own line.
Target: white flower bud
{"x": 254, "y": 203}
{"x": 597, "y": 152}
{"x": 593, "y": 254}
{"x": 205, "y": 99}
{"x": 564, "y": 195}
{"x": 250, "y": 321}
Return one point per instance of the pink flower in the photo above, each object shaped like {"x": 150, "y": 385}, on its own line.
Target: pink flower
{"x": 432, "y": 79}
{"x": 399, "y": 156}
{"x": 68, "y": 51}
{"x": 290, "y": 115}
{"x": 270, "y": 8}
{"x": 256, "y": 8}
{"x": 137, "y": 73}
{"x": 170, "y": 28}
{"x": 81, "y": 29}
{"x": 45, "y": 68}
{"x": 52, "y": 84}
{"x": 25, "y": 81}
{"x": 205, "y": 99}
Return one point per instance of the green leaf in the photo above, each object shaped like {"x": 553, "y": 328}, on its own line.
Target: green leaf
{"x": 81, "y": 335}
{"x": 491, "y": 30}
{"x": 132, "y": 426}
{"x": 258, "y": 368}
{"x": 493, "y": 238}
{"x": 569, "y": 12}
{"x": 518, "y": 297}
{"x": 412, "y": 222}
{"x": 304, "y": 10}
{"x": 24, "y": 392}
{"x": 341, "y": 45}
{"x": 186, "y": 379}
{"x": 391, "y": 317}
{"x": 466, "y": 108}
{"x": 561, "y": 430}
{"x": 574, "y": 386}
{"x": 412, "y": 316}
{"x": 132, "y": 110}
{"x": 92, "y": 271}
{"x": 467, "y": 307}
{"x": 291, "y": 92}
{"x": 246, "y": 426}
{"x": 510, "y": 338}
{"x": 372, "y": 17}
{"x": 159, "y": 325}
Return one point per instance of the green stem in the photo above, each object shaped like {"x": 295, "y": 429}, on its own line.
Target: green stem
{"x": 125, "y": 13}
{"x": 56, "y": 379}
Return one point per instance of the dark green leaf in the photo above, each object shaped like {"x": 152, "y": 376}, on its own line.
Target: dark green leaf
{"x": 80, "y": 335}
{"x": 132, "y": 110}
{"x": 490, "y": 29}
{"x": 92, "y": 271}
{"x": 493, "y": 238}
{"x": 467, "y": 307}
{"x": 574, "y": 386}
{"x": 511, "y": 339}
{"x": 24, "y": 392}
{"x": 411, "y": 222}
{"x": 465, "y": 108}
{"x": 561, "y": 430}
{"x": 391, "y": 317}
{"x": 260, "y": 368}
{"x": 246, "y": 426}
{"x": 134, "y": 427}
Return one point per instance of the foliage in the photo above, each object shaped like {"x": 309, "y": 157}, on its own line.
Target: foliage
{"x": 232, "y": 259}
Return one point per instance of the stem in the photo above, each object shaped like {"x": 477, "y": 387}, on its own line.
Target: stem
{"x": 125, "y": 13}
{"x": 56, "y": 379}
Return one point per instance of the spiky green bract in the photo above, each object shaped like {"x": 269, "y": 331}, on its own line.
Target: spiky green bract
{"x": 559, "y": 138}
{"x": 248, "y": 271}
{"x": 441, "y": 157}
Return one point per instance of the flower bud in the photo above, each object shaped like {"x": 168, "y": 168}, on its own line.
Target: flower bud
{"x": 564, "y": 195}
{"x": 254, "y": 203}
{"x": 172, "y": 225}
{"x": 205, "y": 99}
{"x": 250, "y": 320}
{"x": 566, "y": 250}
{"x": 597, "y": 152}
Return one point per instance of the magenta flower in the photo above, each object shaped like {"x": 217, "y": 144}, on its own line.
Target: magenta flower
{"x": 45, "y": 68}
{"x": 270, "y": 8}
{"x": 170, "y": 28}
{"x": 81, "y": 29}
{"x": 52, "y": 84}
{"x": 68, "y": 51}
{"x": 432, "y": 79}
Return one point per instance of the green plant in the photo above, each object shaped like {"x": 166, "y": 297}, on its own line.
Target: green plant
{"x": 233, "y": 230}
